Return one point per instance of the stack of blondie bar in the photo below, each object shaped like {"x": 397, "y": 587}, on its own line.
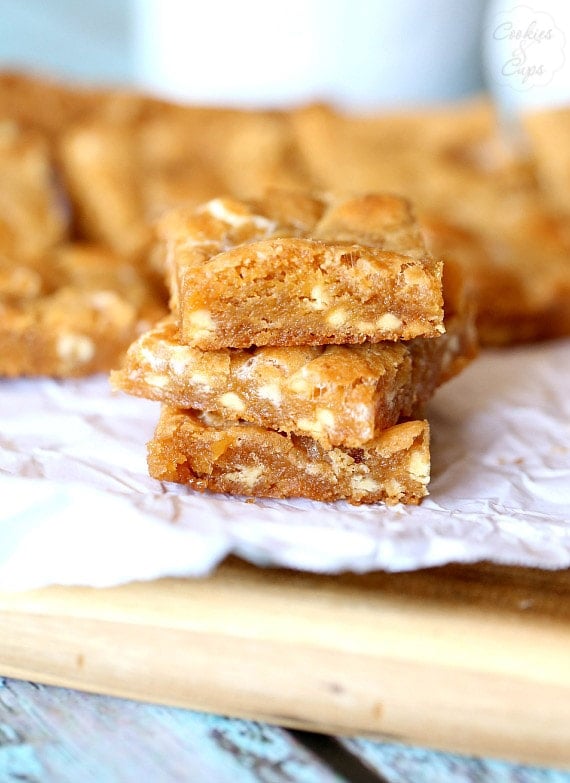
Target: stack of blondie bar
{"x": 305, "y": 336}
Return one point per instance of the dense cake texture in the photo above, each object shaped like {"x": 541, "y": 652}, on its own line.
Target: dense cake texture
{"x": 252, "y": 273}
{"x": 339, "y": 395}
{"x": 72, "y": 313}
{"x": 206, "y": 452}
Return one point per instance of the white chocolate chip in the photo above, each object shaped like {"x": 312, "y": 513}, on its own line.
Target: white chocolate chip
{"x": 364, "y": 483}
{"x": 198, "y": 334}
{"x": 232, "y": 401}
{"x": 103, "y": 300}
{"x": 156, "y": 379}
{"x": 341, "y": 462}
{"x": 178, "y": 366}
{"x": 453, "y": 344}
{"x": 389, "y": 322}
{"x": 200, "y": 324}
{"x": 180, "y": 359}
{"x": 271, "y": 392}
{"x": 299, "y": 385}
{"x": 218, "y": 208}
{"x": 246, "y": 476}
{"x": 337, "y": 317}
{"x": 150, "y": 358}
{"x": 310, "y": 425}
{"x": 419, "y": 468}
{"x": 363, "y": 412}
{"x": 394, "y": 489}
{"x": 366, "y": 268}
{"x": 416, "y": 276}
{"x": 325, "y": 417}
{"x": 202, "y": 319}
{"x": 22, "y": 282}
{"x": 451, "y": 351}
{"x": 75, "y": 348}
{"x": 199, "y": 379}
{"x": 318, "y": 299}
{"x": 211, "y": 419}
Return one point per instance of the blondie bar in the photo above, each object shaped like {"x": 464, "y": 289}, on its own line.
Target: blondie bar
{"x": 33, "y": 212}
{"x": 205, "y": 452}
{"x": 520, "y": 286}
{"x": 243, "y": 274}
{"x": 129, "y": 166}
{"x": 73, "y": 314}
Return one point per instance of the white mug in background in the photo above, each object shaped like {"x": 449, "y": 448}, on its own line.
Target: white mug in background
{"x": 355, "y": 53}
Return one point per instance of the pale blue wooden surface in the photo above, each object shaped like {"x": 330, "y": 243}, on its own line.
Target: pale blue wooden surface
{"x": 55, "y": 735}
{"x": 401, "y": 764}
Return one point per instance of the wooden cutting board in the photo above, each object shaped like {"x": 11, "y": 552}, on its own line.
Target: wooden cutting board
{"x": 474, "y": 659}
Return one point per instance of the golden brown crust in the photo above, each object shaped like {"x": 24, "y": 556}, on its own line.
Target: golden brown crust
{"x": 207, "y": 453}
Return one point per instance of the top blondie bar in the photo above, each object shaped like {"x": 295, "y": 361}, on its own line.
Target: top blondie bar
{"x": 293, "y": 269}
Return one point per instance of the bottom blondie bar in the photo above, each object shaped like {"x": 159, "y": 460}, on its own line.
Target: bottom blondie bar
{"x": 208, "y": 453}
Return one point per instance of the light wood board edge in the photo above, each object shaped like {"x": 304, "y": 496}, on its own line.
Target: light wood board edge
{"x": 319, "y": 654}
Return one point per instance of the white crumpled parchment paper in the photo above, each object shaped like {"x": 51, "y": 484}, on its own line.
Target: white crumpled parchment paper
{"x": 77, "y": 505}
